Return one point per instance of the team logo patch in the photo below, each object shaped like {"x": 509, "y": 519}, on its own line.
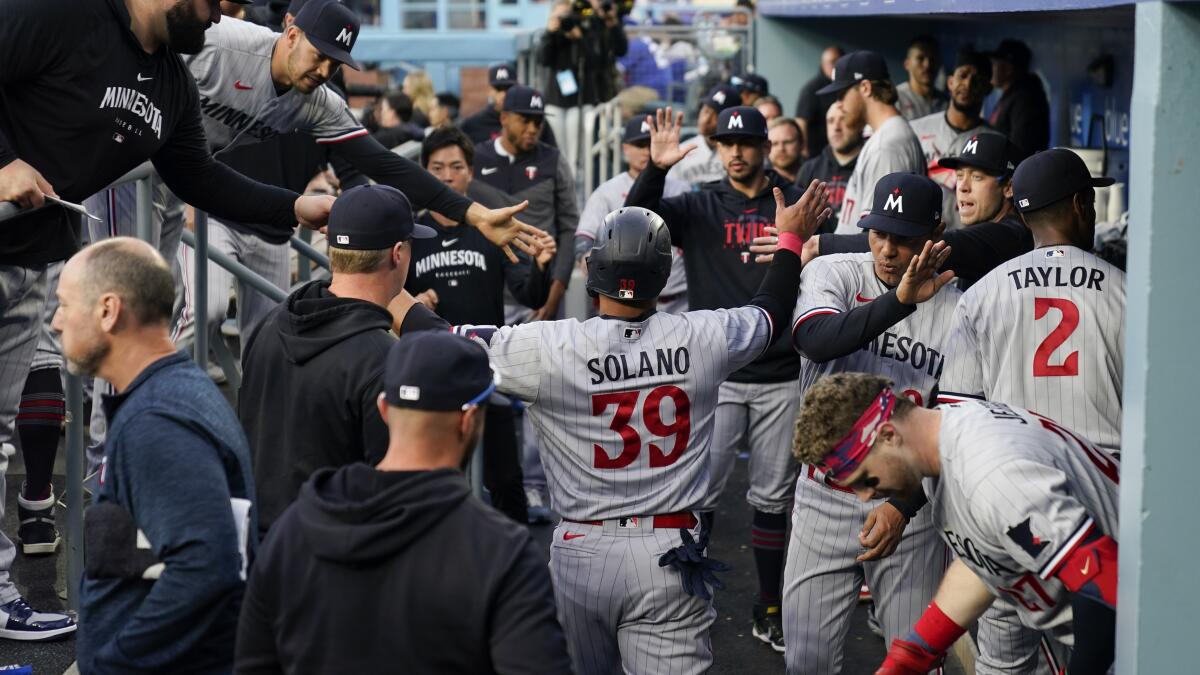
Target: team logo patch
{"x": 409, "y": 393}
{"x": 502, "y": 74}
{"x": 531, "y": 172}
{"x": 971, "y": 146}
{"x": 343, "y": 239}
{"x": 735, "y": 121}
{"x": 632, "y": 333}
{"x": 1056, "y": 253}
{"x": 645, "y": 126}
{"x": 346, "y": 36}
{"x": 118, "y": 138}
{"x": 1024, "y": 537}
{"x": 629, "y": 523}
{"x": 625, "y": 292}
{"x": 535, "y": 101}
{"x": 895, "y": 202}
{"x": 719, "y": 97}
{"x": 1023, "y": 203}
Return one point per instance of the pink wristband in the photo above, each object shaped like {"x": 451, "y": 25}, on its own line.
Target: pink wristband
{"x": 937, "y": 630}
{"x": 790, "y": 241}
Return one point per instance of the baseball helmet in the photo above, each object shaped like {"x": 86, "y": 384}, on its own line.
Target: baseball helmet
{"x": 631, "y": 258}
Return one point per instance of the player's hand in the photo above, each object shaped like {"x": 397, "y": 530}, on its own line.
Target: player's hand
{"x": 502, "y": 228}
{"x": 921, "y": 280}
{"x": 546, "y": 248}
{"x": 764, "y": 247}
{"x": 24, "y": 185}
{"x": 881, "y": 532}
{"x": 428, "y": 298}
{"x": 549, "y": 311}
{"x": 812, "y": 249}
{"x": 664, "y": 138}
{"x": 313, "y": 211}
{"x": 807, "y": 214}
{"x": 907, "y": 658}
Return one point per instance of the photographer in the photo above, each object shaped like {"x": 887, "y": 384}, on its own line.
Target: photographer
{"x": 579, "y": 48}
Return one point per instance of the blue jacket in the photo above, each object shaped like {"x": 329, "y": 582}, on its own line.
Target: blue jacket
{"x": 174, "y": 457}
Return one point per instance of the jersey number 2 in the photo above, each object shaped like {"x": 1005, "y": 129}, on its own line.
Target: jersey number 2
{"x": 1068, "y": 324}
{"x": 626, "y": 402}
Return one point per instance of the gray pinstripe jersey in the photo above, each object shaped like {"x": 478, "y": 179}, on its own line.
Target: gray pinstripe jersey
{"x": 910, "y": 353}
{"x": 237, "y": 94}
{"x": 625, "y": 408}
{"x": 1045, "y": 331}
{"x": 1016, "y": 495}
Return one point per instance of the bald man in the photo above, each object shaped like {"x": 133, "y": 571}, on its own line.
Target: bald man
{"x": 176, "y": 475}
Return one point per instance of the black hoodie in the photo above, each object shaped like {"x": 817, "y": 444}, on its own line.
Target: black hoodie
{"x": 312, "y": 373}
{"x": 714, "y": 226}
{"x": 384, "y": 572}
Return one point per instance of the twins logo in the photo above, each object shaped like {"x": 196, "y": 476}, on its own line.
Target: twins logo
{"x": 535, "y": 101}
{"x": 895, "y": 202}
{"x": 531, "y": 172}
{"x": 502, "y": 74}
{"x": 645, "y": 127}
{"x": 346, "y": 36}
{"x": 735, "y": 121}
{"x": 719, "y": 97}
{"x": 971, "y": 146}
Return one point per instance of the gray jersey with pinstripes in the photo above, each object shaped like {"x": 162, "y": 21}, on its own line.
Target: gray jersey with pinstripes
{"x": 238, "y": 99}
{"x": 625, "y": 409}
{"x": 1016, "y": 495}
{"x": 910, "y": 353}
{"x": 1045, "y": 331}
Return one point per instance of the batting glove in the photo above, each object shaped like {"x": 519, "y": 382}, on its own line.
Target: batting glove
{"x": 696, "y": 571}
{"x": 908, "y": 658}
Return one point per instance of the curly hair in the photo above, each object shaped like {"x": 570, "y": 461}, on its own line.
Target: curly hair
{"x": 830, "y": 409}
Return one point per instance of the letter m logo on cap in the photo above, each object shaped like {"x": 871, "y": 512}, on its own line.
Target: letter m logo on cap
{"x": 645, "y": 126}
{"x": 502, "y": 74}
{"x": 346, "y": 36}
{"x": 971, "y": 146}
{"x": 719, "y": 97}
{"x": 535, "y": 101}
{"x": 735, "y": 121}
{"x": 895, "y": 202}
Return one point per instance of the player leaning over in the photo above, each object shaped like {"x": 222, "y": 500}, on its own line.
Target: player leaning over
{"x": 625, "y": 402}
{"x": 1029, "y": 508}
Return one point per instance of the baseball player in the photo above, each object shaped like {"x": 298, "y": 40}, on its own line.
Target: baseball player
{"x": 625, "y": 403}
{"x": 886, "y": 312}
{"x": 610, "y": 196}
{"x": 862, "y": 84}
{"x": 715, "y": 225}
{"x": 1028, "y": 506}
{"x": 1043, "y": 331}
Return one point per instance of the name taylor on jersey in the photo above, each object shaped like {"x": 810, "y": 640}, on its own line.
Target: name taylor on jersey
{"x": 620, "y": 367}
{"x": 1079, "y": 276}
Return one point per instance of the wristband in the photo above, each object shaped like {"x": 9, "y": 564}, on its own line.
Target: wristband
{"x": 937, "y": 630}
{"x": 790, "y": 241}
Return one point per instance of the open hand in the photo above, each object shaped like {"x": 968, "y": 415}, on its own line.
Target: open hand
{"x": 501, "y": 227}
{"x": 921, "y": 280}
{"x": 547, "y": 247}
{"x": 664, "y": 138}
{"x": 807, "y": 214}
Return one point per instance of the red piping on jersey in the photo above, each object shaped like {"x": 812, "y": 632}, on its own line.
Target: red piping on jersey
{"x": 344, "y": 137}
{"x": 1068, "y": 547}
{"x": 816, "y": 311}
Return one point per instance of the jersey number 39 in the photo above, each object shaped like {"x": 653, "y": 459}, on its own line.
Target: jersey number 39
{"x": 1070, "y": 321}
{"x": 626, "y": 403}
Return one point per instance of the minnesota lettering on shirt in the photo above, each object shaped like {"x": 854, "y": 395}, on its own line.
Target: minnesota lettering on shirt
{"x": 137, "y": 103}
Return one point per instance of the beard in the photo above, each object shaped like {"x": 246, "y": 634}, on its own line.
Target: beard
{"x": 88, "y": 363}
{"x": 185, "y": 30}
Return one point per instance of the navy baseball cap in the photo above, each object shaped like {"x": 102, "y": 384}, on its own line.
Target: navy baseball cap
{"x": 437, "y": 371}
{"x": 1050, "y": 175}
{"x": 989, "y": 151}
{"x": 741, "y": 121}
{"x": 637, "y": 130}
{"x": 331, "y": 27}
{"x": 752, "y": 82}
{"x": 906, "y": 204}
{"x": 722, "y": 97}
{"x": 373, "y": 217}
{"x": 524, "y": 100}
{"x": 502, "y": 75}
{"x": 854, "y": 68}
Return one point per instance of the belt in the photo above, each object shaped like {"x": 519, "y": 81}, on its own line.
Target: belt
{"x": 812, "y": 475}
{"x": 675, "y": 521}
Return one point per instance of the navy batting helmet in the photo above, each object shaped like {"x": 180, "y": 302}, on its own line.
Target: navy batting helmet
{"x": 631, "y": 259}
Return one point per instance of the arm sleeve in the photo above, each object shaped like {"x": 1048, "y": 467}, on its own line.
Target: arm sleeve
{"x": 255, "y": 651}
{"x": 529, "y": 285}
{"x": 180, "y": 498}
{"x": 825, "y": 327}
{"x": 566, "y": 214}
{"x": 188, "y": 168}
{"x": 962, "y": 377}
{"x": 420, "y": 318}
{"x": 516, "y": 355}
{"x": 978, "y": 249}
{"x": 751, "y": 329}
{"x": 386, "y": 167}
{"x": 347, "y": 175}
{"x": 526, "y": 635}
{"x": 647, "y": 192}
{"x": 829, "y": 244}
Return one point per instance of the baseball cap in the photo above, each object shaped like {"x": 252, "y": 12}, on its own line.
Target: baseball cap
{"x": 1014, "y": 52}
{"x": 990, "y": 151}
{"x": 750, "y": 82}
{"x": 741, "y": 121}
{"x": 637, "y": 130}
{"x": 906, "y": 204}
{"x": 970, "y": 57}
{"x": 293, "y": 7}
{"x": 502, "y": 75}
{"x": 331, "y": 27}
{"x": 437, "y": 371}
{"x": 853, "y": 68}
{"x": 1050, "y": 175}
{"x": 373, "y": 217}
{"x": 721, "y": 97}
{"x": 524, "y": 100}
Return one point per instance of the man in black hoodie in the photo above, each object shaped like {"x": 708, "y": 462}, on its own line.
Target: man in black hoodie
{"x": 715, "y": 227}
{"x": 314, "y": 368}
{"x": 448, "y": 584}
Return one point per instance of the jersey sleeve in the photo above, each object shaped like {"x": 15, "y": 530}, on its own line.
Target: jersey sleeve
{"x": 747, "y": 334}
{"x": 1035, "y": 518}
{"x": 329, "y": 118}
{"x": 824, "y": 289}
{"x": 516, "y": 356}
{"x": 962, "y": 376}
